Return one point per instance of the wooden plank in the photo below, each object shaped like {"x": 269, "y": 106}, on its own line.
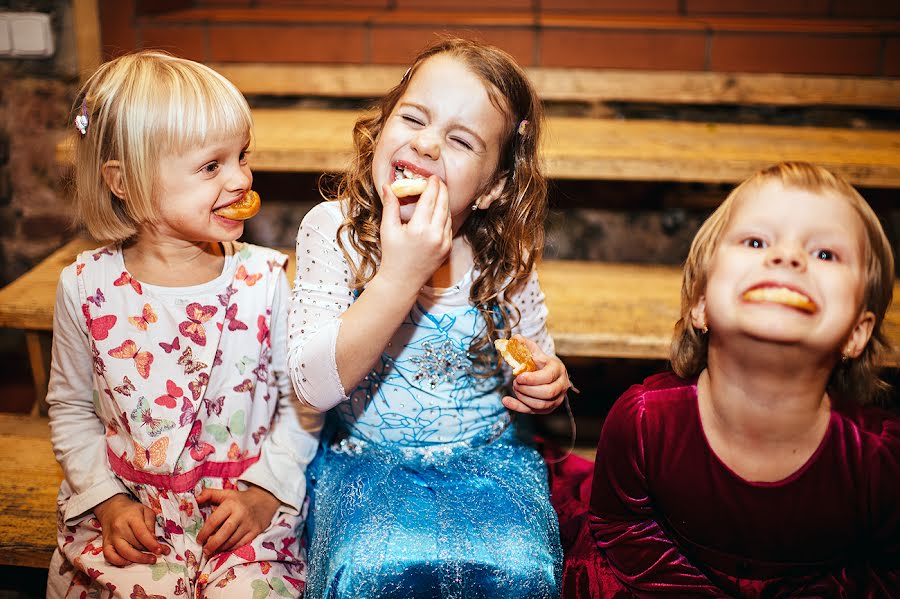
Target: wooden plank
{"x": 585, "y": 85}
{"x": 318, "y": 140}
{"x": 87, "y": 37}
{"x": 597, "y": 309}
{"x": 29, "y": 481}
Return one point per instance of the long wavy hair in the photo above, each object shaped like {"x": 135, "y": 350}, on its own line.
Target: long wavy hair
{"x": 507, "y": 238}
{"x": 858, "y": 378}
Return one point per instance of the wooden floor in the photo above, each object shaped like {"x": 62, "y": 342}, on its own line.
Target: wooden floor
{"x": 317, "y": 140}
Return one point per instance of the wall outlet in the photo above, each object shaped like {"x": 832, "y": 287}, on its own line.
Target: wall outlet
{"x": 25, "y": 35}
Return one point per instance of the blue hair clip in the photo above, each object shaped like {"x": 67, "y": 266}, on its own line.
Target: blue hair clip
{"x": 81, "y": 121}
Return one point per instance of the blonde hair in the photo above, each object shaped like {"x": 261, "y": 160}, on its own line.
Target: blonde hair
{"x": 139, "y": 107}
{"x": 858, "y": 378}
{"x": 507, "y": 237}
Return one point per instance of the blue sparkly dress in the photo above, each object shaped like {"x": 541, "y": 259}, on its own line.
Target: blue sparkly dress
{"x": 422, "y": 486}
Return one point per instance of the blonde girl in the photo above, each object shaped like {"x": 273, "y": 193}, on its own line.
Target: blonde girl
{"x": 171, "y": 410}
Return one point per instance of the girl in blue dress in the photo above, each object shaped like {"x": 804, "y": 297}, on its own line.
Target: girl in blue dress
{"x": 422, "y": 487}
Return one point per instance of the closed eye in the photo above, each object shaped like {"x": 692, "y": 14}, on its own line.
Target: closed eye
{"x": 412, "y": 119}
{"x": 463, "y": 143}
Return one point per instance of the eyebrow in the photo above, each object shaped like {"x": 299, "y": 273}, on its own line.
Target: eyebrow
{"x": 455, "y": 125}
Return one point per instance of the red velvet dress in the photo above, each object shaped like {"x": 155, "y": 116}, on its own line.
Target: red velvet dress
{"x": 668, "y": 517}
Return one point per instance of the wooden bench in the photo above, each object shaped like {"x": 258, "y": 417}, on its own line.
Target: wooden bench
{"x": 29, "y": 481}
{"x": 597, "y": 310}
{"x": 319, "y": 140}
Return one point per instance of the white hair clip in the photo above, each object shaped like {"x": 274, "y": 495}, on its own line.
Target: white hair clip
{"x": 81, "y": 121}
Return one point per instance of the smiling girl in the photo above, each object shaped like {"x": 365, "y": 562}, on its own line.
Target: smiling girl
{"x": 171, "y": 410}
{"x": 422, "y": 487}
{"x": 761, "y": 470}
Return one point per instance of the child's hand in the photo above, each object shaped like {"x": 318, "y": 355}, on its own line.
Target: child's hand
{"x": 237, "y": 518}
{"x": 541, "y": 391}
{"x": 411, "y": 252}
{"x": 128, "y": 532}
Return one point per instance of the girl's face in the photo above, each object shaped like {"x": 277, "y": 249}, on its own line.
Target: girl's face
{"x": 789, "y": 269}
{"x": 193, "y": 184}
{"x": 446, "y": 125}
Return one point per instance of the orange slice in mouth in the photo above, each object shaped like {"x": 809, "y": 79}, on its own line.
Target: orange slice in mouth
{"x": 783, "y": 296}
{"x": 245, "y": 208}
{"x": 516, "y": 355}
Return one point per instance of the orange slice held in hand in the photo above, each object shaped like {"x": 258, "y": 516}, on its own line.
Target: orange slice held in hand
{"x": 408, "y": 187}
{"x": 516, "y": 355}
{"x": 245, "y": 208}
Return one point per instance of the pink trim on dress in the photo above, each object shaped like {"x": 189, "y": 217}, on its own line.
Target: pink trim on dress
{"x": 178, "y": 483}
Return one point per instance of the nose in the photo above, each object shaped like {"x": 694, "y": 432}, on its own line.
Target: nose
{"x": 425, "y": 143}
{"x": 241, "y": 178}
{"x": 787, "y": 255}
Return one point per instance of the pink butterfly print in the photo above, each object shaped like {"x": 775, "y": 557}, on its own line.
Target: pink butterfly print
{"x": 187, "y": 412}
{"x": 227, "y": 578}
{"x": 138, "y": 592}
{"x": 217, "y": 361}
{"x": 147, "y": 317}
{"x": 284, "y": 554}
{"x": 126, "y": 279}
{"x": 99, "y": 326}
{"x": 180, "y": 587}
{"x": 187, "y": 360}
{"x": 172, "y": 528}
{"x": 197, "y": 386}
{"x": 168, "y": 347}
{"x": 99, "y": 365}
{"x": 245, "y": 552}
{"x": 192, "y": 328}
{"x": 249, "y": 279}
{"x": 261, "y": 371}
{"x": 260, "y": 432}
{"x": 296, "y": 583}
{"x": 97, "y": 299}
{"x": 155, "y": 426}
{"x": 262, "y": 329}
{"x": 199, "y": 449}
{"x": 214, "y": 405}
{"x": 224, "y": 298}
{"x": 90, "y": 548}
{"x": 233, "y": 323}
{"x": 123, "y": 418}
{"x": 245, "y": 385}
{"x": 126, "y": 387}
{"x": 78, "y": 268}
{"x": 170, "y": 399}
{"x": 274, "y": 262}
{"x": 129, "y": 350}
{"x": 103, "y": 252}
{"x": 94, "y": 574}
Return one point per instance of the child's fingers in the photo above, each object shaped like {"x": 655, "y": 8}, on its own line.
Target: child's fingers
{"x": 213, "y": 496}
{"x": 534, "y": 405}
{"x": 545, "y": 392}
{"x": 441, "y": 207}
{"x": 214, "y": 544}
{"x": 130, "y": 553}
{"x": 248, "y": 536}
{"x": 144, "y": 537}
{"x": 212, "y": 524}
{"x": 234, "y": 541}
{"x": 112, "y": 556}
{"x": 515, "y": 405}
{"x": 425, "y": 206}
{"x": 390, "y": 207}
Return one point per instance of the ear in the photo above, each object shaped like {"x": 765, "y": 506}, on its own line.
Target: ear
{"x": 112, "y": 175}
{"x": 860, "y": 335}
{"x": 487, "y": 198}
{"x": 698, "y": 314}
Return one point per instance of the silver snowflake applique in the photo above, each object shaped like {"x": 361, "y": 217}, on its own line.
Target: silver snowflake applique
{"x": 439, "y": 362}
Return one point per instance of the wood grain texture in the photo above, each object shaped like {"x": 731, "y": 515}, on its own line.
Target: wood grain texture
{"x": 597, "y": 309}
{"x": 585, "y": 85}
{"x": 318, "y": 140}
{"x": 29, "y": 482}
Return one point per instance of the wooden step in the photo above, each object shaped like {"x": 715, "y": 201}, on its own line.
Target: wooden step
{"x": 319, "y": 140}
{"x": 597, "y": 309}
{"x": 29, "y": 482}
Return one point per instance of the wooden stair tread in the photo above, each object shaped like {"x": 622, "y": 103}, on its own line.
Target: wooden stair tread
{"x": 596, "y": 309}
{"x": 29, "y": 482}
{"x": 319, "y": 140}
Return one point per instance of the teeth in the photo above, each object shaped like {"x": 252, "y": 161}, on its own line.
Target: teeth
{"x": 405, "y": 173}
{"x": 781, "y": 295}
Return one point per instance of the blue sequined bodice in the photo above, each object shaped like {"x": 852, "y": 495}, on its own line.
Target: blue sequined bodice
{"x": 422, "y": 391}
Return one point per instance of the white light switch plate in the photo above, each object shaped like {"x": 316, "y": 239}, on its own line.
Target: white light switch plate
{"x": 28, "y": 35}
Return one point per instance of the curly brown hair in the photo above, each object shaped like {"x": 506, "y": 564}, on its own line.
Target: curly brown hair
{"x": 859, "y": 378}
{"x": 507, "y": 238}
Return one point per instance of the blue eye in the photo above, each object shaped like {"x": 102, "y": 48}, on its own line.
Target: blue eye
{"x": 825, "y": 255}
{"x": 755, "y": 243}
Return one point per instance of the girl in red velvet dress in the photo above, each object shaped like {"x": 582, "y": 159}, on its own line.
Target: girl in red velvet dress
{"x": 761, "y": 469}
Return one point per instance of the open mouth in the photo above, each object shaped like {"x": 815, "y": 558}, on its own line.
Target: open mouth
{"x": 781, "y": 295}
{"x": 407, "y": 185}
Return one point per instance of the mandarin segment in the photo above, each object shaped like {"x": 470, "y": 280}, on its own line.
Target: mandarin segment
{"x": 246, "y": 207}
{"x": 516, "y": 355}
